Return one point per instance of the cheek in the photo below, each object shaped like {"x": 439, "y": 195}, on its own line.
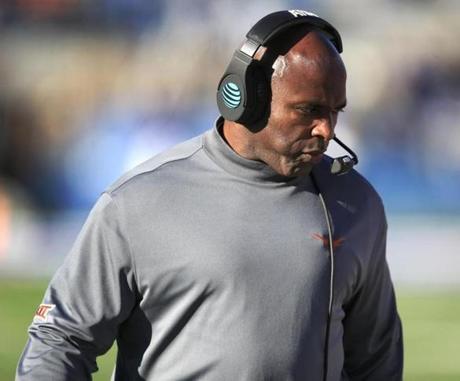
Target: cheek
{"x": 283, "y": 131}
{"x": 279, "y": 139}
{"x": 288, "y": 139}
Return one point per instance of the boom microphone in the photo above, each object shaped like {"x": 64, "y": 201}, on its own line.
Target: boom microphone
{"x": 343, "y": 164}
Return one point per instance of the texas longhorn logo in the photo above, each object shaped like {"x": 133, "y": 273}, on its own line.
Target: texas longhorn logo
{"x": 325, "y": 240}
{"x": 42, "y": 311}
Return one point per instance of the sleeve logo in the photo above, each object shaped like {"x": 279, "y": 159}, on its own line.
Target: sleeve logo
{"x": 43, "y": 310}
{"x": 301, "y": 13}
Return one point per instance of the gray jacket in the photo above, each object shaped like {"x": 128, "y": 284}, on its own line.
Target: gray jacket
{"x": 203, "y": 265}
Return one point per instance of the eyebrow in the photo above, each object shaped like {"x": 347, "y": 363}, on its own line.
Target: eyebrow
{"x": 319, "y": 104}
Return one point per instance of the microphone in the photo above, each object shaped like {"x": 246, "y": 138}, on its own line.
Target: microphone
{"x": 343, "y": 164}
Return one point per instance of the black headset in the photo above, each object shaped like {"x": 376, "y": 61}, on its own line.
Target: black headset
{"x": 243, "y": 94}
{"x": 243, "y": 91}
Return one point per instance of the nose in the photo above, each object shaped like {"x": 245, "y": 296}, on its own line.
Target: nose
{"x": 324, "y": 128}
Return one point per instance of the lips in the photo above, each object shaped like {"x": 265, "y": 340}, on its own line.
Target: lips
{"x": 313, "y": 157}
{"x": 314, "y": 152}
{"x": 315, "y": 148}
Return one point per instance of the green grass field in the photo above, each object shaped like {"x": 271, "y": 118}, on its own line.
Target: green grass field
{"x": 431, "y": 331}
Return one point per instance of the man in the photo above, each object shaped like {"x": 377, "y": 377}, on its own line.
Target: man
{"x": 236, "y": 255}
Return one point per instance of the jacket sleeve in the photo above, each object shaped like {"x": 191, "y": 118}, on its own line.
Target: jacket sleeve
{"x": 372, "y": 329}
{"x": 88, "y": 298}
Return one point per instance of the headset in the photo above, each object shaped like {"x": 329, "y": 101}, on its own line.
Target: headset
{"x": 243, "y": 93}
{"x": 243, "y": 96}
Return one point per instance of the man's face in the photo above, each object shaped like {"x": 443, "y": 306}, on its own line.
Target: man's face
{"x": 307, "y": 95}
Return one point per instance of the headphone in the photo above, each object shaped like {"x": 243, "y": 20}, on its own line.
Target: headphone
{"x": 243, "y": 91}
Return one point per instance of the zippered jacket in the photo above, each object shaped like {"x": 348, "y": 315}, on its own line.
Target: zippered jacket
{"x": 204, "y": 265}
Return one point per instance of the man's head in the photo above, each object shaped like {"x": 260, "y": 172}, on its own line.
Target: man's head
{"x": 307, "y": 92}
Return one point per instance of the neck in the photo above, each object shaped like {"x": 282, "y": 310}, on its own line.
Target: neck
{"x": 239, "y": 138}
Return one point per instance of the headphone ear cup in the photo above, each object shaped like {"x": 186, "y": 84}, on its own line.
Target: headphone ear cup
{"x": 244, "y": 97}
{"x": 261, "y": 96}
{"x": 231, "y": 97}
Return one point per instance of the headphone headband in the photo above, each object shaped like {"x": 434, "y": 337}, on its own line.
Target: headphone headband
{"x": 243, "y": 93}
{"x": 275, "y": 23}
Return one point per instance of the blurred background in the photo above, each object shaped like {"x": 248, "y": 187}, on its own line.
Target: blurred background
{"x": 90, "y": 88}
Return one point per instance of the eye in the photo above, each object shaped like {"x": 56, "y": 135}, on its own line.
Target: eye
{"x": 311, "y": 110}
{"x": 336, "y": 112}
{"x": 318, "y": 111}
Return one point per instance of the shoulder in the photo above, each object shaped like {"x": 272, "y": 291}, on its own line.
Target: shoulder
{"x": 158, "y": 166}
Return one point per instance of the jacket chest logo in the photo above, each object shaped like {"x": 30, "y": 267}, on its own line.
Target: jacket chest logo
{"x": 337, "y": 242}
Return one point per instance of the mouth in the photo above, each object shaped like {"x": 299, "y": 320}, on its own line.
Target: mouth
{"x": 313, "y": 156}
{"x": 313, "y": 153}
{"x": 315, "y": 147}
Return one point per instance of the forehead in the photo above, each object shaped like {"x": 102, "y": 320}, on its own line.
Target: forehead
{"x": 298, "y": 74}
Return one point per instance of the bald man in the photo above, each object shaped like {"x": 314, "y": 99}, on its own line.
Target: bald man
{"x": 236, "y": 255}
{"x": 308, "y": 89}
